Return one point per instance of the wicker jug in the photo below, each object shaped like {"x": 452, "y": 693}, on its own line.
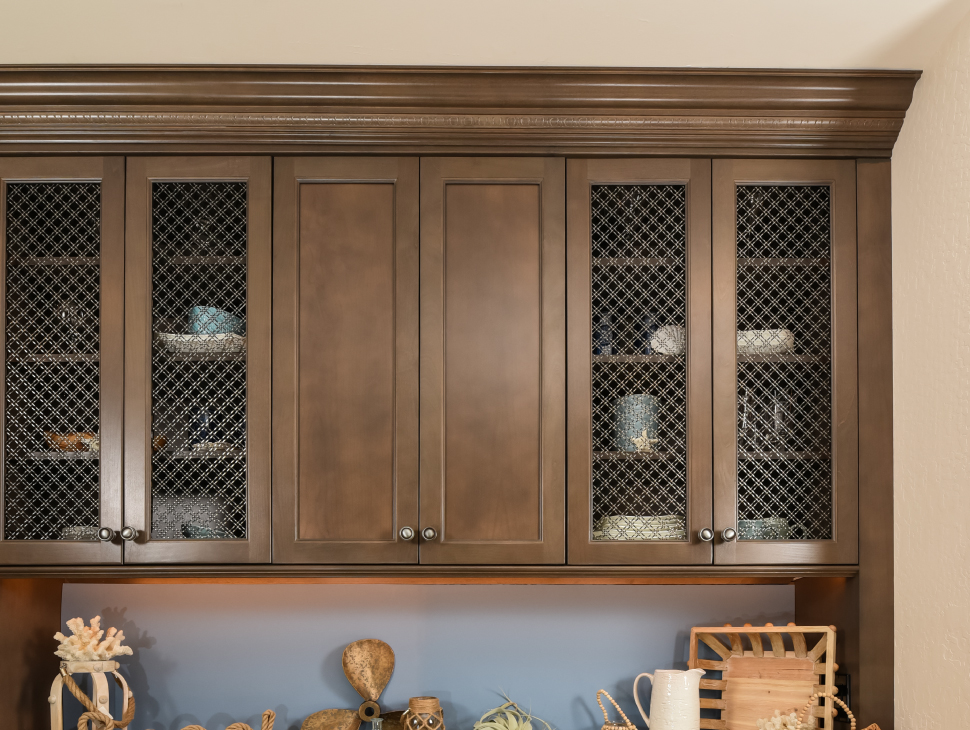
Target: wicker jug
{"x": 423, "y": 713}
{"x": 608, "y": 724}
{"x": 808, "y": 707}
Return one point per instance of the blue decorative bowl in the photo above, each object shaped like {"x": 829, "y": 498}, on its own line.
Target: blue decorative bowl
{"x": 214, "y": 321}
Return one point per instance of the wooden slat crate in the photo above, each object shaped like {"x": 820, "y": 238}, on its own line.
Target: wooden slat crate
{"x": 757, "y": 680}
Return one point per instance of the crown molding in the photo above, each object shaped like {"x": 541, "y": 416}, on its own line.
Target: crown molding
{"x": 302, "y": 110}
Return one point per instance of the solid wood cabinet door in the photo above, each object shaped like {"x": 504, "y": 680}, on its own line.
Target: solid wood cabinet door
{"x": 639, "y": 313}
{"x": 786, "y": 419}
{"x": 61, "y": 303}
{"x": 345, "y": 349}
{"x": 197, "y": 360}
{"x": 492, "y": 360}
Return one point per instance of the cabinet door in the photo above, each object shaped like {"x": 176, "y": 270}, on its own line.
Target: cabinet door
{"x": 785, "y": 361}
{"x": 639, "y": 312}
{"x": 62, "y": 247}
{"x": 345, "y": 348}
{"x": 197, "y": 346}
{"x": 492, "y": 360}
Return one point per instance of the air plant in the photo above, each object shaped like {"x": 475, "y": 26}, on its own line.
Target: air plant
{"x": 509, "y": 716}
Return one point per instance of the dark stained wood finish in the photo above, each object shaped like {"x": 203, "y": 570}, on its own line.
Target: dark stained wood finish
{"x": 142, "y": 171}
{"x": 110, "y": 171}
{"x": 696, "y": 174}
{"x": 32, "y": 608}
{"x": 345, "y": 360}
{"x": 601, "y": 112}
{"x": 493, "y": 360}
{"x": 873, "y": 691}
{"x": 845, "y": 443}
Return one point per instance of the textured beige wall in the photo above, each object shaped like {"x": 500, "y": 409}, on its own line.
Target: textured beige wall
{"x": 931, "y": 353}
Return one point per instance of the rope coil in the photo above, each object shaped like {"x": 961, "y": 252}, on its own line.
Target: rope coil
{"x": 96, "y": 717}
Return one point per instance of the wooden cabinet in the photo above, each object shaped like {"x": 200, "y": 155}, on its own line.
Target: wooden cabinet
{"x": 197, "y": 360}
{"x": 639, "y": 293}
{"x": 492, "y": 360}
{"x": 713, "y": 362}
{"x": 345, "y": 350}
{"x": 786, "y": 419}
{"x": 62, "y": 304}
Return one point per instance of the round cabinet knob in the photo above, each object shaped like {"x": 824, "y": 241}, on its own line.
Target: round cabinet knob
{"x": 429, "y": 533}
{"x": 728, "y": 534}
{"x": 707, "y": 534}
{"x": 105, "y": 534}
{"x": 407, "y": 533}
{"x": 128, "y": 533}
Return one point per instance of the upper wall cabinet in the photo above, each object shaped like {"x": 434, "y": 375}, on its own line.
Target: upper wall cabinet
{"x": 639, "y": 361}
{"x": 786, "y": 424}
{"x": 345, "y": 356}
{"x": 493, "y": 360}
{"x": 197, "y": 360}
{"x": 62, "y": 247}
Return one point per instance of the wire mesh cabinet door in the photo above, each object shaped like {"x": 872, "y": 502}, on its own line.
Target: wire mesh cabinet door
{"x": 197, "y": 386}
{"x": 639, "y": 361}
{"x": 785, "y": 362}
{"x": 62, "y": 247}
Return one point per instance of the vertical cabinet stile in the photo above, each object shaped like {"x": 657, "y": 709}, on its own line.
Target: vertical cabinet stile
{"x": 197, "y": 319}
{"x": 785, "y": 361}
{"x": 62, "y": 241}
{"x": 638, "y": 307}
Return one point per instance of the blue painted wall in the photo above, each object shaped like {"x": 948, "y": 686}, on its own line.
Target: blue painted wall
{"x": 217, "y": 654}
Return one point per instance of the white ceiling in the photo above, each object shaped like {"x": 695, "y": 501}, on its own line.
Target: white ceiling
{"x": 733, "y": 33}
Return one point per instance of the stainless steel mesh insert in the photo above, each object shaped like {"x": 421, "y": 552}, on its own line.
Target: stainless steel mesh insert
{"x": 199, "y": 444}
{"x": 52, "y": 470}
{"x": 639, "y": 375}
{"x": 784, "y": 373}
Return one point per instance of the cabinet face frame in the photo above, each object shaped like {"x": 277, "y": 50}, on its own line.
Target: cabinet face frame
{"x": 696, "y": 175}
{"x": 548, "y": 174}
{"x": 110, "y": 172}
{"x": 290, "y": 175}
{"x": 841, "y": 176}
{"x": 142, "y": 172}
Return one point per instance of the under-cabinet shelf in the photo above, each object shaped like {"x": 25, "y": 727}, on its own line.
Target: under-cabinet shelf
{"x": 637, "y": 261}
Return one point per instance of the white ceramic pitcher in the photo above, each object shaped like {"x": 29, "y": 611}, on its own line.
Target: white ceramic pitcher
{"x": 675, "y": 700}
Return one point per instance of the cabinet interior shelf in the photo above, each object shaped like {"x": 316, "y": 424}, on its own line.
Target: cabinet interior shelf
{"x": 657, "y": 261}
{"x": 206, "y": 357}
{"x": 53, "y": 358}
{"x": 782, "y": 262}
{"x": 204, "y": 261}
{"x": 54, "y": 260}
{"x": 59, "y": 456}
{"x": 783, "y": 357}
{"x": 782, "y": 455}
{"x": 637, "y": 358}
{"x": 209, "y": 455}
{"x": 632, "y": 455}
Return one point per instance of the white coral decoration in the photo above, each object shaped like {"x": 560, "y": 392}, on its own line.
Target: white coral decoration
{"x": 85, "y": 644}
{"x": 785, "y": 722}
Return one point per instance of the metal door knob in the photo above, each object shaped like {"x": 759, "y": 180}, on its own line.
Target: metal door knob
{"x": 105, "y": 534}
{"x": 707, "y": 534}
{"x": 429, "y": 533}
{"x": 728, "y": 534}
{"x": 407, "y": 533}
{"x": 128, "y": 533}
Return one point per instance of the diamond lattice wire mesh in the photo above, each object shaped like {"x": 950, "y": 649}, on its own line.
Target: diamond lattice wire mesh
{"x": 784, "y": 375}
{"x": 639, "y": 376}
{"x": 52, "y": 471}
{"x": 199, "y": 444}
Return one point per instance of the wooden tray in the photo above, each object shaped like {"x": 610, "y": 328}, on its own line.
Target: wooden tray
{"x": 755, "y": 682}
